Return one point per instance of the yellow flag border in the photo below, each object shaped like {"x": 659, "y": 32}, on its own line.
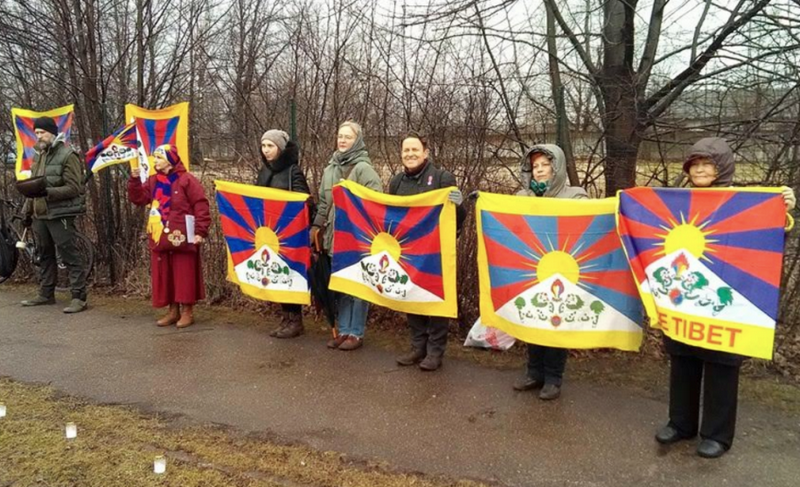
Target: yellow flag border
{"x": 24, "y": 112}
{"x": 652, "y": 310}
{"x": 271, "y": 295}
{"x": 180, "y": 110}
{"x": 448, "y": 308}
{"x": 525, "y": 205}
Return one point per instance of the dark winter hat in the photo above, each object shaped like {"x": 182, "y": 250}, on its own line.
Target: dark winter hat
{"x": 277, "y": 137}
{"x": 47, "y": 124}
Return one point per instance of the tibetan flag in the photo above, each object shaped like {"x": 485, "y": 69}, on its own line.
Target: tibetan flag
{"x": 158, "y": 127}
{"x": 708, "y": 263}
{"x": 26, "y": 140}
{"x": 396, "y": 251}
{"x": 266, "y": 231}
{"x": 552, "y": 272}
{"x": 119, "y": 147}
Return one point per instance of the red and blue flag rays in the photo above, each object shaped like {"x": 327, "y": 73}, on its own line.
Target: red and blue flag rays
{"x": 409, "y": 234}
{"x": 157, "y": 132}
{"x": 250, "y": 223}
{"x": 125, "y": 136}
{"x": 525, "y": 250}
{"x": 28, "y": 136}
{"x": 730, "y": 232}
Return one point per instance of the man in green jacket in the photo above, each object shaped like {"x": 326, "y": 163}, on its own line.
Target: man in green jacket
{"x": 52, "y": 216}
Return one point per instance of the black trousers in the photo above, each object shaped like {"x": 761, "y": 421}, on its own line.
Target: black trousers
{"x": 294, "y": 309}
{"x": 720, "y": 391}
{"x": 547, "y": 363}
{"x": 428, "y": 334}
{"x": 59, "y": 233}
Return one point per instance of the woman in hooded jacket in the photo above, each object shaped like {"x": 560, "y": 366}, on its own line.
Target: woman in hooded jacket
{"x": 176, "y": 269}
{"x": 692, "y": 369}
{"x": 281, "y": 170}
{"x": 349, "y": 162}
{"x": 544, "y": 175}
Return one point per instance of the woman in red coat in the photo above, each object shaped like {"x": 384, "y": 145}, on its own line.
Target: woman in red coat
{"x": 173, "y": 195}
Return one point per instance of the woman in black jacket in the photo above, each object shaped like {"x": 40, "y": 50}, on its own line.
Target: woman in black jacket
{"x": 420, "y": 175}
{"x": 695, "y": 371}
{"x": 280, "y": 169}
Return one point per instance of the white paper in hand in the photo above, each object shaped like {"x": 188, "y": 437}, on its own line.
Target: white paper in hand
{"x": 190, "y": 228}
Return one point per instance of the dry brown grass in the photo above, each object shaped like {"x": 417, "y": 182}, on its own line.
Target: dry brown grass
{"x": 116, "y": 446}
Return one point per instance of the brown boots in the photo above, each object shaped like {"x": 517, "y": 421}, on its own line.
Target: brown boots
{"x": 187, "y": 316}
{"x": 183, "y": 316}
{"x": 281, "y": 324}
{"x": 291, "y": 326}
{"x": 171, "y": 317}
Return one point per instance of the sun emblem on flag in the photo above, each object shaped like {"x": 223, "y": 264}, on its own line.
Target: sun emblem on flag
{"x": 703, "y": 234}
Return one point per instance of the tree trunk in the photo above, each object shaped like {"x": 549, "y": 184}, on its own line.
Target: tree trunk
{"x": 623, "y": 133}
{"x": 563, "y": 138}
{"x": 620, "y": 113}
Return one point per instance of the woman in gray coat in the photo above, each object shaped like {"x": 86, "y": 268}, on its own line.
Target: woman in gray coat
{"x": 544, "y": 175}
{"x": 350, "y": 162}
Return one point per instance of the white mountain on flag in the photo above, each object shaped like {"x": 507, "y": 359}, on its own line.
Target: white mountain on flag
{"x": 681, "y": 282}
{"x": 558, "y": 304}
{"x": 267, "y": 270}
{"x": 386, "y": 277}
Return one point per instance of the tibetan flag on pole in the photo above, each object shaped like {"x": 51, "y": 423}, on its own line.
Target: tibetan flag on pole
{"x": 396, "y": 251}
{"x": 142, "y": 161}
{"x": 552, "y": 272}
{"x": 26, "y": 140}
{"x": 117, "y": 148}
{"x": 168, "y": 125}
{"x": 266, "y": 231}
{"x": 708, "y": 263}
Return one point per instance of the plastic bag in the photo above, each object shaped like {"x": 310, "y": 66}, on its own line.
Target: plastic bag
{"x": 481, "y": 336}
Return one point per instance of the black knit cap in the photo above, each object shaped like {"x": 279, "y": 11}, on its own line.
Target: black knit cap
{"x": 46, "y": 124}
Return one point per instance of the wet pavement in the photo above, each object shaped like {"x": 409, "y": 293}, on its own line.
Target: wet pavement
{"x": 463, "y": 421}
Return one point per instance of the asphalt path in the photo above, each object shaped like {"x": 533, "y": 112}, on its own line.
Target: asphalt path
{"x": 463, "y": 421}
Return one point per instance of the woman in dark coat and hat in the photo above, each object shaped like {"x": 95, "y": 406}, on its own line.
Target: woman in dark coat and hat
{"x": 692, "y": 369}
{"x": 176, "y": 269}
{"x": 280, "y": 169}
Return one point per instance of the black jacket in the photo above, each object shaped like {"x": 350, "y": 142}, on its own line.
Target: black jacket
{"x": 430, "y": 178}
{"x": 285, "y": 173}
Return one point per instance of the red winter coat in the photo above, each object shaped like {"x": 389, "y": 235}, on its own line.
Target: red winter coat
{"x": 177, "y": 277}
{"x": 188, "y": 198}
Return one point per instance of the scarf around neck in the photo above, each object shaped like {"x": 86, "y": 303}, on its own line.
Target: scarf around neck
{"x": 357, "y": 151}
{"x": 162, "y": 193}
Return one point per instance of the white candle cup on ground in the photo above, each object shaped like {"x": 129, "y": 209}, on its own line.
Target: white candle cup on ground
{"x": 2, "y": 410}
{"x": 21, "y": 244}
{"x": 71, "y": 431}
{"x": 160, "y": 464}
